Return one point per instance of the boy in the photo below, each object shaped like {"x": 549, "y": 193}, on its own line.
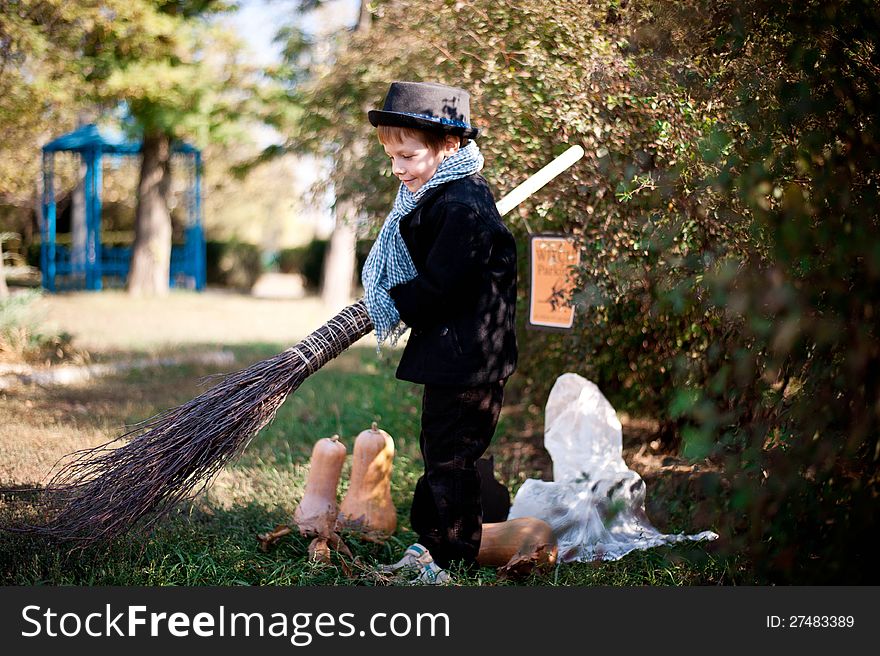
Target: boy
{"x": 444, "y": 265}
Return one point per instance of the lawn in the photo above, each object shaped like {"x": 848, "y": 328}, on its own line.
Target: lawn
{"x": 213, "y": 540}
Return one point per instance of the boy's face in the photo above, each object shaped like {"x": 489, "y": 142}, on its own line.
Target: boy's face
{"x": 413, "y": 162}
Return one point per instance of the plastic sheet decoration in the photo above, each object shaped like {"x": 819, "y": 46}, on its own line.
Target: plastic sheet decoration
{"x": 595, "y": 503}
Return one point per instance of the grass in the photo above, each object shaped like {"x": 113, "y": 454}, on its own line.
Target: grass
{"x": 24, "y": 334}
{"x": 213, "y": 541}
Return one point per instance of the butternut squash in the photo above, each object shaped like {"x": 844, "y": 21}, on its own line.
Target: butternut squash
{"x": 367, "y": 508}
{"x": 317, "y": 510}
{"x": 518, "y": 546}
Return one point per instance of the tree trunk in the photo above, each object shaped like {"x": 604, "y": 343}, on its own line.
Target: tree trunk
{"x": 339, "y": 263}
{"x": 337, "y": 284}
{"x": 151, "y": 253}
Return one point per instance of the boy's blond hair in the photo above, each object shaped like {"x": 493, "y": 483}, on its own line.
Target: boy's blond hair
{"x": 392, "y": 134}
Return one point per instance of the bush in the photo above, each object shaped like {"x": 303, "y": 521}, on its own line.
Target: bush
{"x": 233, "y": 264}
{"x": 308, "y": 260}
{"x": 727, "y": 212}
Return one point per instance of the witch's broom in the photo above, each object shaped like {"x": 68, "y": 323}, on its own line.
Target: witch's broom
{"x": 105, "y": 491}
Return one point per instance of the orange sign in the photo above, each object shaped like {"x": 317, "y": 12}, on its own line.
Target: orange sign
{"x": 552, "y": 281}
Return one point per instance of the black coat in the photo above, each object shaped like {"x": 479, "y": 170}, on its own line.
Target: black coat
{"x": 461, "y": 305}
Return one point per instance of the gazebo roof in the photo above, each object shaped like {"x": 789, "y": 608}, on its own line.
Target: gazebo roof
{"x": 91, "y": 137}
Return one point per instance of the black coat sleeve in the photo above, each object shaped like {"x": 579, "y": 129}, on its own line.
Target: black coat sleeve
{"x": 447, "y": 282}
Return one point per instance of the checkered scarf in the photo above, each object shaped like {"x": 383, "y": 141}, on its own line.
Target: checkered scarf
{"x": 389, "y": 262}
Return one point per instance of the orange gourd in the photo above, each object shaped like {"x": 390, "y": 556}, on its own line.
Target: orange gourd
{"x": 367, "y": 507}
{"x": 518, "y": 545}
{"x": 317, "y": 510}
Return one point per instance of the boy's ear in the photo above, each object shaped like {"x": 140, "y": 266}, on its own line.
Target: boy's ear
{"x": 453, "y": 143}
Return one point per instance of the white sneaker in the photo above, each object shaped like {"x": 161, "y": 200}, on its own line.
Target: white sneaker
{"x": 419, "y": 560}
{"x": 431, "y": 574}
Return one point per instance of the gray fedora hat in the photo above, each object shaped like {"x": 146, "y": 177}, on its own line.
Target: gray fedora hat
{"x": 426, "y": 106}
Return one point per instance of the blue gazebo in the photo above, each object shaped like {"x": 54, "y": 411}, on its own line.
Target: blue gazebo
{"x": 92, "y": 143}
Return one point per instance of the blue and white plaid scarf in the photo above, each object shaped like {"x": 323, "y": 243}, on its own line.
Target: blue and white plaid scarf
{"x": 389, "y": 262}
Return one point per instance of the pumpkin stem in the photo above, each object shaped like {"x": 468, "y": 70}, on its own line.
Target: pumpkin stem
{"x": 374, "y": 427}
{"x": 334, "y": 438}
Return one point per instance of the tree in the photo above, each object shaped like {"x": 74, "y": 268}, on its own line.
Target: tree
{"x": 177, "y": 75}
{"x": 190, "y": 84}
{"x": 341, "y": 258}
{"x": 46, "y": 79}
{"x": 307, "y": 57}
{"x": 37, "y": 73}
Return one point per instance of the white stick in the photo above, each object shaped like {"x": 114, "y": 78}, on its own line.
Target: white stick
{"x": 539, "y": 179}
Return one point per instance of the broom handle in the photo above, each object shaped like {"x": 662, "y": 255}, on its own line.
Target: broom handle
{"x": 539, "y": 179}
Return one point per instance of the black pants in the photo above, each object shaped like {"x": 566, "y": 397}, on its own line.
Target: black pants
{"x": 457, "y": 426}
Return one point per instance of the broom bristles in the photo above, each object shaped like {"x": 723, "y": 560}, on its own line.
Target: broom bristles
{"x": 108, "y": 490}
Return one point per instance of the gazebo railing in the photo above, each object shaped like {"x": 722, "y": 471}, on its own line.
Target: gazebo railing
{"x": 115, "y": 264}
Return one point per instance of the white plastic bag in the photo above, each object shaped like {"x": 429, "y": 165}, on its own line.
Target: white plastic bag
{"x": 595, "y": 504}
